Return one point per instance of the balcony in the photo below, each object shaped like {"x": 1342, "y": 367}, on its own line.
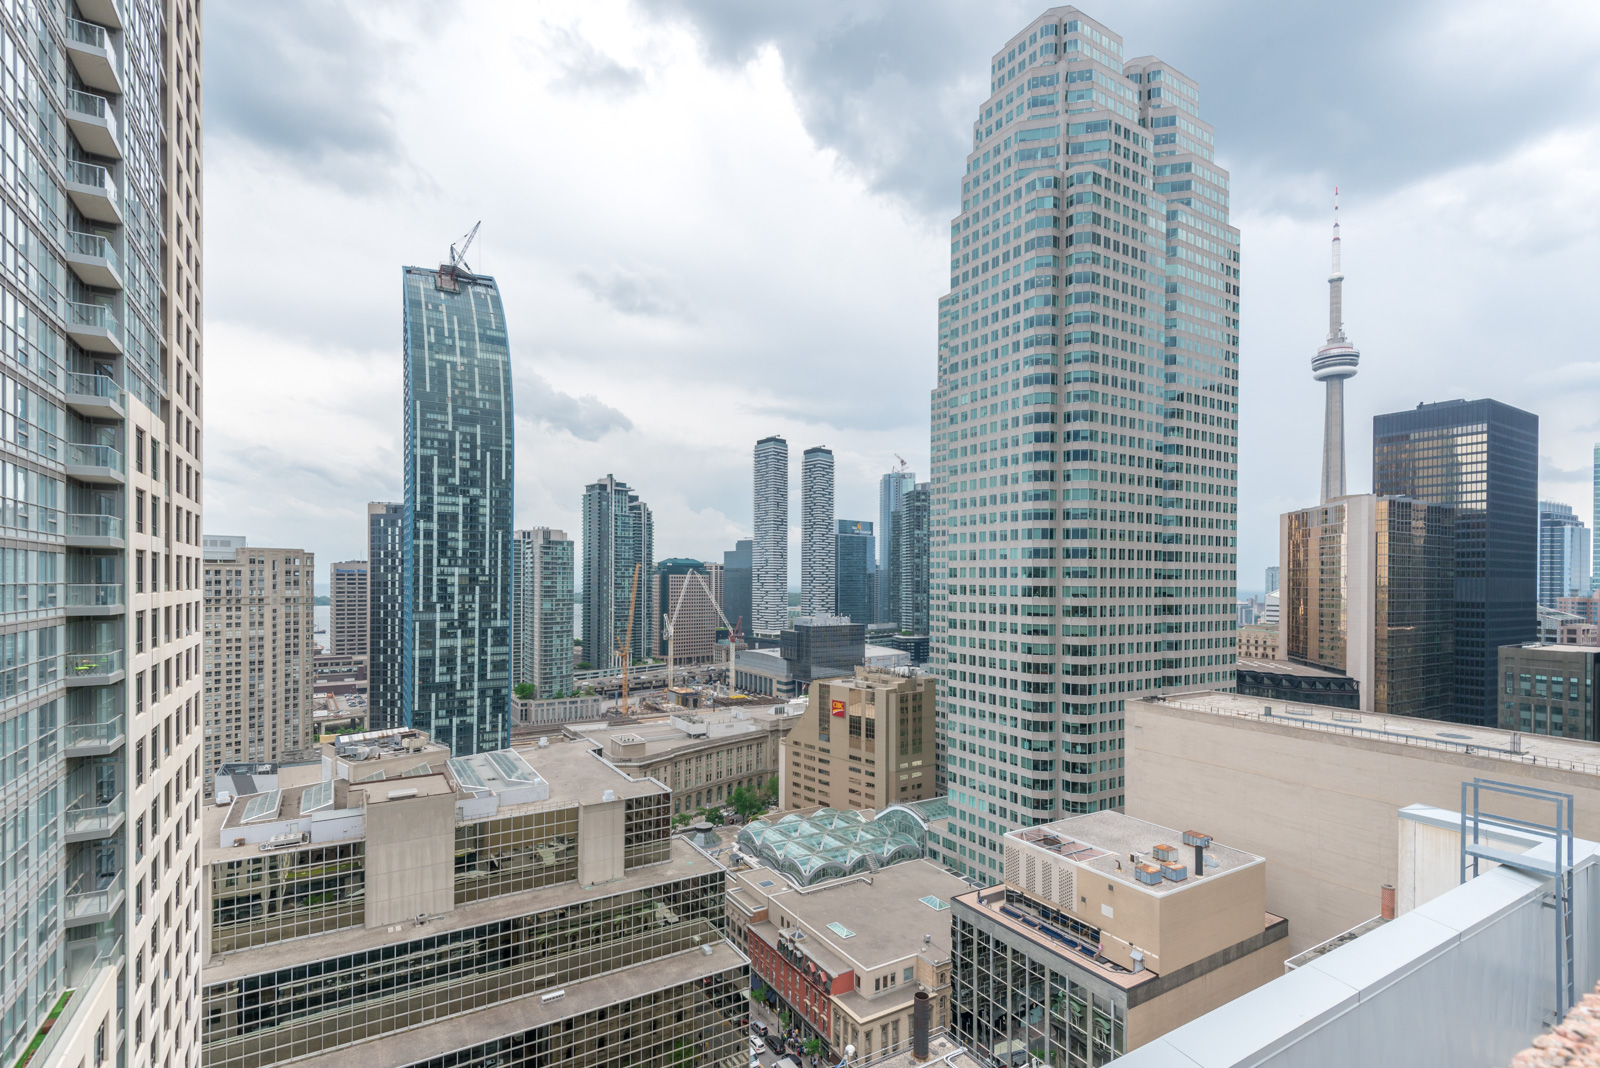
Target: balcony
{"x": 94, "y": 327}
{"x": 96, "y": 396}
{"x": 95, "y": 532}
{"x": 92, "y": 53}
{"x": 95, "y": 463}
{"x": 92, "y": 190}
{"x": 93, "y": 899}
{"x": 95, "y": 599}
{"x": 94, "y": 669}
{"x": 94, "y": 260}
{"x": 93, "y": 738}
{"x": 87, "y": 822}
{"x": 86, "y": 956}
{"x": 94, "y": 123}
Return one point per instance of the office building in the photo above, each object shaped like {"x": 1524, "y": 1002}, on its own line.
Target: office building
{"x": 535, "y": 715}
{"x": 737, "y": 591}
{"x": 892, "y": 489}
{"x": 1550, "y": 689}
{"x": 618, "y": 560}
{"x": 1586, "y": 608}
{"x": 909, "y": 568}
{"x": 1270, "y": 783}
{"x": 1124, "y": 929}
{"x": 818, "y": 565}
{"x": 385, "y": 608}
{"x": 1125, "y": 584}
{"x": 347, "y": 608}
{"x": 595, "y": 936}
{"x": 1257, "y": 641}
{"x": 459, "y": 451}
{"x": 1368, "y": 591}
{"x": 1334, "y": 362}
{"x": 260, "y": 617}
{"x": 814, "y": 647}
{"x": 1482, "y": 459}
{"x": 865, "y": 741}
{"x": 1272, "y": 578}
{"x": 855, "y": 574}
{"x": 687, "y": 594}
{"x": 541, "y": 611}
{"x": 770, "y": 546}
{"x": 102, "y": 372}
{"x": 703, "y": 755}
{"x": 1563, "y": 554}
{"x": 1281, "y": 680}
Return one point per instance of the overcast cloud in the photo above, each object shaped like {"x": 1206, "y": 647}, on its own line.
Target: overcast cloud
{"x": 713, "y": 220}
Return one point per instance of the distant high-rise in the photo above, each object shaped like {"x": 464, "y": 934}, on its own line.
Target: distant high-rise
{"x": 1563, "y": 553}
{"x": 385, "y": 607}
{"x": 1336, "y": 361}
{"x": 854, "y": 572}
{"x": 770, "y": 589}
{"x": 347, "y": 611}
{"x": 892, "y": 489}
{"x": 459, "y": 452}
{"x": 541, "y": 611}
{"x": 817, "y": 564}
{"x": 688, "y": 593}
{"x": 1272, "y": 578}
{"x": 1481, "y": 458}
{"x": 1594, "y": 570}
{"x": 737, "y": 590}
{"x": 618, "y": 542}
{"x": 909, "y": 569}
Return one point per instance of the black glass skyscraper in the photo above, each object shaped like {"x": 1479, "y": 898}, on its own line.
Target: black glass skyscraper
{"x": 1482, "y": 458}
{"x": 385, "y": 611}
{"x": 855, "y": 577}
{"x": 456, "y": 637}
{"x": 737, "y": 588}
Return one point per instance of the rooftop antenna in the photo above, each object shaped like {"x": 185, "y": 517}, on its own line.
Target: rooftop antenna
{"x": 458, "y": 260}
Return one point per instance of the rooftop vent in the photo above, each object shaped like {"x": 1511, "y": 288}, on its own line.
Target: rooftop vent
{"x": 609, "y": 795}
{"x": 544, "y": 741}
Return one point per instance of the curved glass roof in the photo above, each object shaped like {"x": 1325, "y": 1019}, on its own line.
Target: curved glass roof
{"x": 832, "y": 843}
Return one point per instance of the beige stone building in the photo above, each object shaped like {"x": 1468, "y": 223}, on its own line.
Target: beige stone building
{"x": 259, "y": 654}
{"x": 1316, "y": 790}
{"x": 1258, "y": 641}
{"x": 701, "y": 756}
{"x": 865, "y": 741}
{"x": 347, "y": 608}
{"x": 1124, "y": 930}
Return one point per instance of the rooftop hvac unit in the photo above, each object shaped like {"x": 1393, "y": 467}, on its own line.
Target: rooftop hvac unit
{"x": 396, "y": 795}
{"x": 1164, "y": 852}
{"x": 1147, "y": 873}
{"x": 284, "y": 841}
{"x": 1176, "y": 872}
{"x": 554, "y": 995}
{"x": 1195, "y": 838}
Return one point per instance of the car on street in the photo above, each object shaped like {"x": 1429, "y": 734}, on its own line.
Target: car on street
{"x": 756, "y": 1045}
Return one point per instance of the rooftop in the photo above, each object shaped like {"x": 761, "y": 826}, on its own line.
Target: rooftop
{"x": 1511, "y": 746}
{"x": 1567, "y": 647}
{"x": 1105, "y": 841}
{"x": 1288, "y": 667}
{"x": 686, "y": 729}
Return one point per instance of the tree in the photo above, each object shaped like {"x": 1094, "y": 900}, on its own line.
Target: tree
{"x": 682, "y": 819}
{"x": 524, "y": 690}
{"x": 746, "y": 802}
{"x": 771, "y": 789}
{"x": 812, "y": 1046}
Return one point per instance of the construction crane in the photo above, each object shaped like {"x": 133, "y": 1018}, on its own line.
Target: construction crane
{"x": 624, "y": 641}
{"x": 671, "y": 624}
{"x": 459, "y": 259}
{"x": 900, "y": 470}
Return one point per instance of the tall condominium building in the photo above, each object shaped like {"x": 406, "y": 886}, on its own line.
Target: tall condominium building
{"x": 686, "y": 593}
{"x": 456, "y": 638}
{"x": 347, "y": 608}
{"x": 770, "y": 590}
{"x": 1272, "y": 578}
{"x": 909, "y": 567}
{"x": 259, "y": 651}
{"x": 618, "y": 562}
{"x": 1084, "y": 425}
{"x": 1563, "y": 553}
{"x": 385, "y": 623}
{"x": 541, "y": 611}
{"x": 737, "y": 590}
{"x": 892, "y": 489}
{"x": 817, "y": 563}
{"x": 855, "y": 575}
{"x": 1369, "y": 592}
{"x": 1481, "y": 458}
{"x": 100, "y": 533}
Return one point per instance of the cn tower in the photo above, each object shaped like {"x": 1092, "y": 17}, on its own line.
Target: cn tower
{"x": 1334, "y": 362}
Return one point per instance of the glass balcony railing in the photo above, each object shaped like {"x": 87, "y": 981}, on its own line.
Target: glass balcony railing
{"x": 94, "y": 315}
{"x": 92, "y": 896}
{"x": 94, "y": 526}
{"x": 80, "y": 455}
{"x": 94, "y": 245}
{"x": 85, "y": 665}
{"x": 94, "y": 594}
{"x": 84, "y": 817}
{"x": 78, "y": 735}
{"x": 88, "y": 33}
{"x": 96, "y": 386}
{"x": 86, "y": 956}
{"x": 92, "y": 175}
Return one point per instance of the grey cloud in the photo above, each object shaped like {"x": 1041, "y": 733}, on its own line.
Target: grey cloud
{"x": 342, "y": 480}
{"x": 586, "y": 418}
{"x": 1548, "y": 471}
{"x": 586, "y": 69}
{"x": 632, "y": 293}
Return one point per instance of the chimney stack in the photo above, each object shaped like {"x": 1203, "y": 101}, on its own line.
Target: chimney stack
{"x": 1386, "y": 902}
{"x": 921, "y": 1017}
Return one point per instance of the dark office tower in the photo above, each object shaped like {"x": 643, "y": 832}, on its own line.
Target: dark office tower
{"x": 854, "y": 573}
{"x": 618, "y": 537}
{"x": 456, "y": 630}
{"x": 737, "y": 577}
{"x": 1482, "y": 458}
{"x": 385, "y": 580}
{"x": 909, "y": 566}
{"x": 892, "y": 489}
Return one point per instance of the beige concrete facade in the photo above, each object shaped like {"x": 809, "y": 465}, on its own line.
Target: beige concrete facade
{"x": 347, "y": 601}
{"x": 865, "y": 741}
{"x": 1258, "y": 641}
{"x": 1315, "y": 790}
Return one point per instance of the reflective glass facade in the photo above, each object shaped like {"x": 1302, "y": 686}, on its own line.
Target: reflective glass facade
{"x": 855, "y": 577}
{"x": 1414, "y": 609}
{"x": 618, "y": 542}
{"x": 385, "y": 615}
{"x": 456, "y": 631}
{"x": 541, "y": 647}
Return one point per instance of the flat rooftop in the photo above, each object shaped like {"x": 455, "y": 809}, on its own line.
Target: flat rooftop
{"x": 1512, "y": 746}
{"x": 683, "y": 862}
{"x": 1105, "y": 840}
{"x": 1289, "y": 667}
{"x": 529, "y": 1011}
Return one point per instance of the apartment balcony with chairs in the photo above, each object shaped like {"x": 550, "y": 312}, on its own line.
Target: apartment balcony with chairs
{"x": 94, "y": 668}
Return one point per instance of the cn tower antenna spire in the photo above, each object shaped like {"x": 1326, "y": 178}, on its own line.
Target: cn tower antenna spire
{"x": 1336, "y": 361}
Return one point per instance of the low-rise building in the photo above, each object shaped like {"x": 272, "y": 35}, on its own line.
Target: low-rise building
{"x": 549, "y": 712}
{"x": 866, "y": 741}
{"x": 1283, "y": 680}
{"x": 1549, "y": 689}
{"x": 339, "y": 673}
{"x": 1106, "y": 933}
{"x": 526, "y": 906}
{"x": 1258, "y": 641}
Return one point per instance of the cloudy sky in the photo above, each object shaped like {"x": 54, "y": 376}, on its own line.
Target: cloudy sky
{"x": 713, "y": 220}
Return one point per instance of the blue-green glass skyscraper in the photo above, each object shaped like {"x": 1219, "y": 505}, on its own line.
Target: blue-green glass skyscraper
{"x": 456, "y": 545}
